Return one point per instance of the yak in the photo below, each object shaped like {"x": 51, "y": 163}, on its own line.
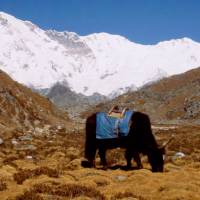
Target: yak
{"x": 139, "y": 139}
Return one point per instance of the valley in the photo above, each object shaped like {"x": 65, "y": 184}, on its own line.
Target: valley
{"x": 41, "y": 160}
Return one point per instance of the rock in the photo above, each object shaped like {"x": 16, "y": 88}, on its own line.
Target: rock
{"x": 192, "y": 107}
{"x": 14, "y": 141}
{"x": 38, "y": 131}
{"x": 61, "y": 129}
{"x": 29, "y": 157}
{"x": 1, "y": 141}
{"x": 120, "y": 178}
{"x": 47, "y": 127}
{"x": 27, "y": 137}
{"x": 36, "y": 122}
{"x": 26, "y": 147}
{"x": 178, "y": 155}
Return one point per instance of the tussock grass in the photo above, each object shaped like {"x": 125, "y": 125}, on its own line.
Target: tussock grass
{"x": 3, "y": 185}
{"x": 47, "y": 171}
{"x": 29, "y": 195}
{"x": 68, "y": 190}
{"x": 61, "y": 159}
{"x": 124, "y": 195}
{"x": 72, "y": 153}
{"x": 22, "y": 175}
{"x": 115, "y": 156}
{"x": 9, "y": 160}
{"x": 101, "y": 182}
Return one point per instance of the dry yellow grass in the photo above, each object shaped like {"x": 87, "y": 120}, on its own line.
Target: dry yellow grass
{"x": 55, "y": 172}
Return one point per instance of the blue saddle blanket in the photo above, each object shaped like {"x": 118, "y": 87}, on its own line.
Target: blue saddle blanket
{"x": 108, "y": 127}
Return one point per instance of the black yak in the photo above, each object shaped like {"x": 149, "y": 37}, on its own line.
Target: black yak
{"x": 140, "y": 139}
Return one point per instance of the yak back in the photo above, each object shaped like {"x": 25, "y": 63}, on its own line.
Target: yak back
{"x": 108, "y": 127}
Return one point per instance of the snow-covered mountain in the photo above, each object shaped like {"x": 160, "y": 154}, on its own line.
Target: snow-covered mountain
{"x": 97, "y": 63}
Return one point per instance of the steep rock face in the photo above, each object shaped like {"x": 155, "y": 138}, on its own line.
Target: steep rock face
{"x": 71, "y": 41}
{"x": 70, "y": 101}
{"x": 170, "y": 100}
{"x": 22, "y": 108}
{"x": 98, "y": 63}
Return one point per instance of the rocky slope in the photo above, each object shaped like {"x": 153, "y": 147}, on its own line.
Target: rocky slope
{"x": 170, "y": 100}
{"x": 74, "y": 103}
{"x": 23, "y": 110}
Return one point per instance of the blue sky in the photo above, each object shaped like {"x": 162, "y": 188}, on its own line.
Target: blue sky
{"x": 142, "y": 21}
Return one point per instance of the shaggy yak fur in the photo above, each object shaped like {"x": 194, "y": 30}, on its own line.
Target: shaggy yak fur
{"x": 139, "y": 140}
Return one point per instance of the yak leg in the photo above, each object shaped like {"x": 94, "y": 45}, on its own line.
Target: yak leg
{"x": 137, "y": 159}
{"x": 128, "y": 157}
{"x": 136, "y": 156}
{"x": 90, "y": 156}
{"x": 93, "y": 163}
{"x": 102, "y": 154}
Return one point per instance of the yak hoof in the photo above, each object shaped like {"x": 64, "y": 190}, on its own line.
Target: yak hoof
{"x": 105, "y": 167}
{"x": 128, "y": 167}
{"x": 87, "y": 164}
{"x": 140, "y": 166}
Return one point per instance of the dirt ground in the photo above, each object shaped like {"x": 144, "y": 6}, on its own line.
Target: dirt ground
{"x": 48, "y": 168}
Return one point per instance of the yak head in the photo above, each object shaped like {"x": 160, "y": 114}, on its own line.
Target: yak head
{"x": 157, "y": 156}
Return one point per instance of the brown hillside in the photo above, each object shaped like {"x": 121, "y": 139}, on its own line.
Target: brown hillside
{"x": 21, "y": 108}
{"x": 170, "y": 100}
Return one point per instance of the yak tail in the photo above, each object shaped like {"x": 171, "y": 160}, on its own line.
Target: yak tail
{"x": 90, "y": 142}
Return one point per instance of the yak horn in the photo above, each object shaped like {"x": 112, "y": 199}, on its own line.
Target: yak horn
{"x": 167, "y": 142}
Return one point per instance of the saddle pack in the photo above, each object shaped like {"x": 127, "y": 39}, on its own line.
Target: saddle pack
{"x": 113, "y": 124}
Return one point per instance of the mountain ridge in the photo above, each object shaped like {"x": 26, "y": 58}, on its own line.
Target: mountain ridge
{"x": 98, "y": 63}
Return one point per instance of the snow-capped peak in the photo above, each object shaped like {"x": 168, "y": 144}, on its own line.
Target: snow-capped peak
{"x": 99, "y": 62}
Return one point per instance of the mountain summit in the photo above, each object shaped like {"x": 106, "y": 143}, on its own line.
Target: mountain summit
{"x": 97, "y": 63}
